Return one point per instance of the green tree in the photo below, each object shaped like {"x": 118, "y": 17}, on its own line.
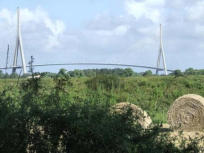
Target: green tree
{"x": 128, "y": 72}
{"x": 62, "y": 74}
{"x": 1, "y": 74}
{"x": 62, "y": 71}
{"x": 190, "y": 71}
{"x": 6, "y": 76}
{"x": 147, "y": 73}
{"x": 14, "y": 75}
{"x": 178, "y": 73}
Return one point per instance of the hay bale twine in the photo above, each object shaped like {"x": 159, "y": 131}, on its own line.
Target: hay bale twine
{"x": 142, "y": 117}
{"x": 187, "y": 113}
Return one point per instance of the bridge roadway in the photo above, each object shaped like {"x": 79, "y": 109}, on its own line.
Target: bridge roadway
{"x": 97, "y": 64}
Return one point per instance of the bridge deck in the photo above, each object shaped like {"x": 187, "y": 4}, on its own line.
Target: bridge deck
{"x": 99, "y": 64}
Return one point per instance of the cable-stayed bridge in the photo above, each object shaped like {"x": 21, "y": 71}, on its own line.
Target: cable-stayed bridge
{"x": 19, "y": 51}
{"x": 88, "y": 64}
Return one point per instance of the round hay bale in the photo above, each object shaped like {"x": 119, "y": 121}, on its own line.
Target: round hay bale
{"x": 142, "y": 117}
{"x": 187, "y": 113}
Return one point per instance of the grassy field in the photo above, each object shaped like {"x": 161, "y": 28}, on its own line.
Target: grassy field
{"x": 64, "y": 114}
{"x": 153, "y": 94}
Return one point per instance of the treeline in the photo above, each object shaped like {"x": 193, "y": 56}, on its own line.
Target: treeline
{"x": 127, "y": 72}
{"x": 94, "y": 72}
{"x": 191, "y": 71}
{"x": 78, "y": 73}
{"x": 6, "y": 75}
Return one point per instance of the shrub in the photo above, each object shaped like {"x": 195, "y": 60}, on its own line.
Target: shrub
{"x": 36, "y": 122}
{"x": 106, "y": 82}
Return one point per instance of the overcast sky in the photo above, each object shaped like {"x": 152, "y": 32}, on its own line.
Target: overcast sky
{"x": 109, "y": 31}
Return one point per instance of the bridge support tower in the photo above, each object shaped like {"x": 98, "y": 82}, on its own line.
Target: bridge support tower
{"x": 19, "y": 47}
{"x": 161, "y": 56}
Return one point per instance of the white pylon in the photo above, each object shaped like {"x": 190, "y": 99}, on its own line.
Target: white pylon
{"x": 19, "y": 46}
{"x": 161, "y": 55}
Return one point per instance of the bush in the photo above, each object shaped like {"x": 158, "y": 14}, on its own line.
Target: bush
{"x": 147, "y": 73}
{"x": 178, "y": 73}
{"x": 106, "y": 82}
{"x": 36, "y": 121}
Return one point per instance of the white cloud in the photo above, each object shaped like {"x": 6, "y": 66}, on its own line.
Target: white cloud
{"x": 121, "y": 30}
{"x": 6, "y": 15}
{"x": 35, "y": 21}
{"x": 195, "y": 11}
{"x": 117, "y": 31}
{"x": 150, "y": 9}
{"x": 131, "y": 38}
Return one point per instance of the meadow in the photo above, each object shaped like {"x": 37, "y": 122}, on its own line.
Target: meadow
{"x": 64, "y": 114}
{"x": 153, "y": 94}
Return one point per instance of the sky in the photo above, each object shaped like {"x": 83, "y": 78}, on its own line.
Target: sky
{"x": 105, "y": 31}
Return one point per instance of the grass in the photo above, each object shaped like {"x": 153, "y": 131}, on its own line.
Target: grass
{"x": 76, "y": 113}
{"x": 153, "y": 94}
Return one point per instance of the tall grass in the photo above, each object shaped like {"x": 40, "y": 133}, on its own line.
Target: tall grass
{"x": 63, "y": 115}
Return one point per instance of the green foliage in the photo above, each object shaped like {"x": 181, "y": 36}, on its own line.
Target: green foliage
{"x": 47, "y": 74}
{"x": 178, "y": 73}
{"x": 191, "y": 71}
{"x": 127, "y": 72}
{"x": 62, "y": 72}
{"x": 147, "y": 73}
{"x": 14, "y": 75}
{"x": 93, "y": 72}
{"x": 107, "y": 82}
{"x": 1, "y": 74}
{"x": 63, "y": 115}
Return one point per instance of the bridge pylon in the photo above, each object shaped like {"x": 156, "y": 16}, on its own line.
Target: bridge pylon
{"x": 19, "y": 47}
{"x": 161, "y": 55}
